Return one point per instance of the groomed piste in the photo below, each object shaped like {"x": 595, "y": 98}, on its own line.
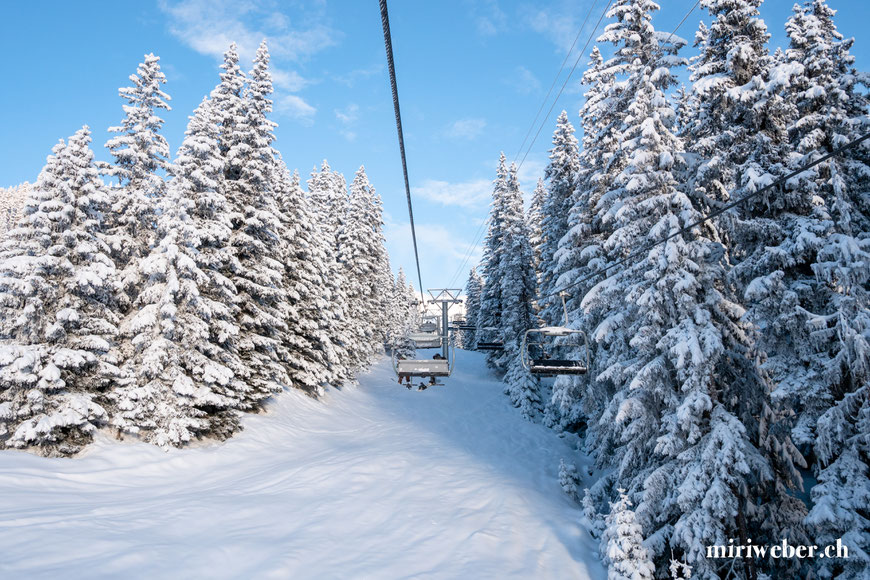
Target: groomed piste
{"x": 373, "y": 481}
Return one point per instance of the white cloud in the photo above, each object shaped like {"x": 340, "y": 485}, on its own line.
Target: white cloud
{"x": 210, "y": 26}
{"x": 524, "y": 81}
{"x": 465, "y": 128}
{"x": 489, "y": 16}
{"x": 350, "y": 79}
{"x": 290, "y": 81}
{"x": 467, "y": 194}
{"x": 559, "y": 23}
{"x": 295, "y": 107}
{"x": 348, "y": 115}
{"x": 442, "y": 251}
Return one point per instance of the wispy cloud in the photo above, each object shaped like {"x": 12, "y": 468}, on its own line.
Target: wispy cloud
{"x": 559, "y": 22}
{"x": 210, "y": 26}
{"x": 353, "y": 77}
{"x": 524, "y": 81}
{"x": 443, "y": 247}
{"x": 348, "y": 115}
{"x": 465, "y": 128}
{"x": 295, "y": 107}
{"x": 467, "y": 194}
{"x": 289, "y": 80}
{"x": 489, "y": 17}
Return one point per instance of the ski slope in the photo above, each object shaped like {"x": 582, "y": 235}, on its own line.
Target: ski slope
{"x": 372, "y": 481}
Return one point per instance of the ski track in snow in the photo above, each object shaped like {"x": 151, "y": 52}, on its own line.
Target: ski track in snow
{"x": 372, "y": 481}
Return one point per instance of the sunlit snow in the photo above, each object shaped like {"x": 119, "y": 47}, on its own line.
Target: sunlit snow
{"x": 373, "y": 481}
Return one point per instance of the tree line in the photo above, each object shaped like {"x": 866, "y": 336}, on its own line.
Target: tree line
{"x": 729, "y": 393}
{"x": 187, "y": 291}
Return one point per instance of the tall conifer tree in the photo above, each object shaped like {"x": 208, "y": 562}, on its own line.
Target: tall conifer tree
{"x": 58, "y": 321}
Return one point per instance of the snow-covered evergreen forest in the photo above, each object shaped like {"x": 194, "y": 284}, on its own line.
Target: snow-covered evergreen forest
{"x": 728, "y": 399}
{"x": 160, "y": 297}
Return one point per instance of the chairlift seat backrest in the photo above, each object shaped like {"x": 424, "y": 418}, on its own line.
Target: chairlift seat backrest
{"x": 423, "y": 368}
{"x": 557, "y": 367}
{"x": 554, "y": 331}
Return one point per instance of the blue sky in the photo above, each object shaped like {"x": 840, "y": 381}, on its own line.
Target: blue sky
{"x": 472, "y": 74}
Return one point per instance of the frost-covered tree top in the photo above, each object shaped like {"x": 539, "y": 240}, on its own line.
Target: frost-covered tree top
{"x": 535, "y": 216}
{"x": 140, "y": 151}
{"x": 362, "y": 255}
{"x": 327, "y": 190}
{"x": 473, "y": 290}
{"x": 141, "y": 158}
{"x": 733, "y": 53}
{"x": 561, "y": 176}
{"x": 488, "y": 321}
{"x": 11, "y": 203}
{"x": 624, "y": 552}
{"x": 57, "y": 314}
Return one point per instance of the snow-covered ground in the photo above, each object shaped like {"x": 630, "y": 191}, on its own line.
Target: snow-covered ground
{"x": 374, "y": 481}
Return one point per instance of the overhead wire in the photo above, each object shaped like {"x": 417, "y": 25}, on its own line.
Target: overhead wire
{"x": 556, "y": 78}
{"x": 715, "y": 213}
{"x": 388, "y": 46}
{"x": 568, "y": 78}
{"x": 481, "y": 228}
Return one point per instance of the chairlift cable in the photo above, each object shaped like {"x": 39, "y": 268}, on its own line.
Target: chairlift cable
{"x": 388, "y": 45}
{"x": 717, "y": 212}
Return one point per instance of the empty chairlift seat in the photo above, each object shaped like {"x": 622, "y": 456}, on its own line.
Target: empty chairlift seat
{"x": 538, "y": 343}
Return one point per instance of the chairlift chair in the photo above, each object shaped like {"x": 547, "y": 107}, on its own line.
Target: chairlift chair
{"x": 534, "y": 354}
{"x": 427, "y": 335}
{"x": 536, "y": 360}
{"x": 429, "y": 367}
{"x": 488, "y": 344}
{"x": 425, "y": 340}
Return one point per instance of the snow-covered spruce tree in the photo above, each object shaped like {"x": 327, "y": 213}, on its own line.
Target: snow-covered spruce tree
{"x": 327, "y": 197}
{"x": 491, "y": 302}
{"x": 580, "y": 252}
{"x": 569, "y": 479}
{"x": 473, "y": 291}
{"x": 256, "y": 271}
{"x": 561, "y": 177}
{"x": 327, "y": 190}
{"x": 815, "y": 301}
{"x": 406, "y": 317}
{"x": 11, "y": 205}
{"x": 57, "y": 310}
{"x": 362, "y": 255}
{"x": 184, "y": 377}
{"x": 622, "y": 542}
{"x": 315, "y": 360}
{"x": 403, "y": 308}
{"x": 517, "y": 279}
{"x": 686, "y": 427}
{"x": 535, "y": 223}
{"x": 141, "y": 157}
{"x": 306, "y": 349}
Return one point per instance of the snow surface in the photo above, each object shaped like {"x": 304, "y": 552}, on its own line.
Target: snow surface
{"x": 373, "y": 481}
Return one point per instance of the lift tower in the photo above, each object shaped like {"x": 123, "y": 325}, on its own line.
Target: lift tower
{"x": 447, "y": 297}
